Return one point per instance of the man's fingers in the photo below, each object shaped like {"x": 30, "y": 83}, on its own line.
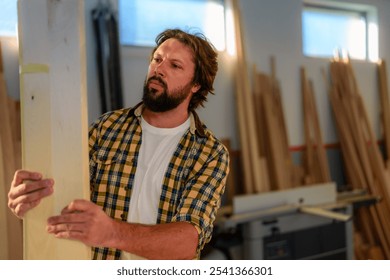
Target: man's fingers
{"x": 76, "y": 217}
{"x": 26, "y": 191}
{"x": 77, "y": 235}
{"x": 77, "y": 227}
{"x": 21, "y": 209}
{"x": 45, "y": 185}
{"x": 22, "y": 175}
{"x": 78, "y": 205}
{"x": 29, "y": 197}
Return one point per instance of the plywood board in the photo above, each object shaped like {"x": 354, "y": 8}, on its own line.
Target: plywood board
{"x": 54, "y": 116}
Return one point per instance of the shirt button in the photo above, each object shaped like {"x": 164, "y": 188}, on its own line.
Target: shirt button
{"x": 123, "y": 216}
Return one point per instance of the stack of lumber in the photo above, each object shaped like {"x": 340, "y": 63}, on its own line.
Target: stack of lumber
{"x": 364, "y": 163}
{"x": 10, "y": 160}
{"x": 316, "y": 167}
{"x": 272, "y": 132}
{"x": 267, "y": 163}
{"x": 254, "y": 166}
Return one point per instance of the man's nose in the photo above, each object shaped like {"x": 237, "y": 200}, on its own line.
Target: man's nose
{"x": 160, "y": 69}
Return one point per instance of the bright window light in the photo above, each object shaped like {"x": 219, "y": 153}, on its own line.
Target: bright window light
{"x": 327, "y": 31}
{"x": 8, "y": 18}
{"x": 230, "y": 33}
{"x": 140, "y": 21}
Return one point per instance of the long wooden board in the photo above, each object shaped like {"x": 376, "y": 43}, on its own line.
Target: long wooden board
{"x": 11, "y": 230}
{"x": 54, "y": 115}
{"x": 316, "y": 164}
{"x": 385, "y": 106}
{"x": 5, "y": 141}
{"x": 252, "y": 163}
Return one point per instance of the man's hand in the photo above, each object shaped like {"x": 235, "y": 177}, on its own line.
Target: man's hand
{"x": 27, "y": 190}
{"x": 84, "y": 221}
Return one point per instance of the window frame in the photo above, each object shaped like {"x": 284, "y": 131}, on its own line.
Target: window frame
{"x": 368, "y": 12}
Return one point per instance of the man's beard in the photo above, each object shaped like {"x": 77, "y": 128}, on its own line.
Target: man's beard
{"x": 164, "y": 101}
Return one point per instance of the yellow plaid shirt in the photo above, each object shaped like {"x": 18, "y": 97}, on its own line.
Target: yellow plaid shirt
{"x": 193, "y": 184}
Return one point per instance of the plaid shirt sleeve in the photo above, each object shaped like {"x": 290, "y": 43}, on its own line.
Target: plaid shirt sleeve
{"x": 201, "y": 196}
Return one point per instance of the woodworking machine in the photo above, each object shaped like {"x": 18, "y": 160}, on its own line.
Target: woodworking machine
{"x": 309, "y": 222}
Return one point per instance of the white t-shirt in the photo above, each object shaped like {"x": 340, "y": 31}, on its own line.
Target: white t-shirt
{"x": 157, "y": 148}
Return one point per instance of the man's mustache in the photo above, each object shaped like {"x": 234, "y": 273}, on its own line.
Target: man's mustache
{"x": 158, "y": 79}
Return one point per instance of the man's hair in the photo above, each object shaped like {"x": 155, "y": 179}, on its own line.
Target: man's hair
{"x": 205, "y": 59}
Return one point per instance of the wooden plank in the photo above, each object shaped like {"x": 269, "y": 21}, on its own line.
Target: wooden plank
{"x": 348, "y": 128}
{"x": 308, "y": 155}
{"x": 322, "y": 159}
{"x": 4, "y": 129}
{"x": 259, "y": 112}
{"x": 276, "y": 92}
{"x": 54, "y": 116}
{"x": 275, "y": 134}
{"x": 293, "y": 173}
{"x": 261, "y": 129}
{"x": 315, "y": 159}
{"x": 281, "y": 179}
{"x": 12, "y": 225}
{"x": 252, "y": 167}
{"x": 14, "y": 118}
{"x": 231, "y": 180}
{"x": 385, "y": 106}
{"x": 242, "y": 123}
{"x": 381, "y": 184}
{"x": 317, "y": 211}
{"x": 3, "y": 210}
{"x": 352, "y": 163}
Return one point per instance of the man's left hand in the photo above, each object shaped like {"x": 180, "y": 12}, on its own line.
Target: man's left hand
{"x": 84, "y": 221}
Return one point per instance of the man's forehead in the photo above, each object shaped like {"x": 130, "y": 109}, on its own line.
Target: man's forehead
{"x": 175, "y": 49}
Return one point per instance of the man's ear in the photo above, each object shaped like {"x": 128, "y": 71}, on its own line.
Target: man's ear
{"x": 195, "y": 88}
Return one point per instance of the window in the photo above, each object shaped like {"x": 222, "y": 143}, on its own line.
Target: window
{"x": 331, "y": 29}
{"x": 8, "y": 18}
{"x": 140, "y": 21}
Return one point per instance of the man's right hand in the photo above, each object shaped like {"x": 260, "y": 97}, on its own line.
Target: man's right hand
{"x": 27, "y": 190}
